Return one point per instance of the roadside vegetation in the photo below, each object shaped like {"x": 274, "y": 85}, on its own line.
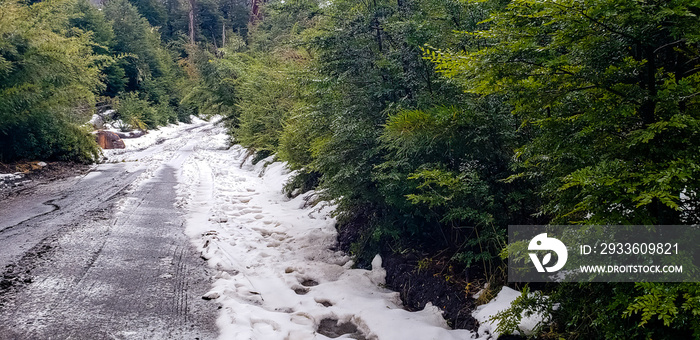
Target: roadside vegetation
{"x": 433, "y": 124}
{"x": 436, "y": 124}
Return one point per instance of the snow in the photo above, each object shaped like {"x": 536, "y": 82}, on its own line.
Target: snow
{"x": 11, "y": 177}
{"x": 99, "y": 120}
{"x": 277, "y": 276}
{"x": 501, "y": 302}
{"x": 150, "y": 151}
{"x": 156, "y": 136}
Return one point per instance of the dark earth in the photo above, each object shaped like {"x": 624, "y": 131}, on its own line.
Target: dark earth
{"x": 418, "y": 286}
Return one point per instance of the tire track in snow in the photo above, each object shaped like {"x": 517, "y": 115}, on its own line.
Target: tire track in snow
{"x": 133, "y": 275}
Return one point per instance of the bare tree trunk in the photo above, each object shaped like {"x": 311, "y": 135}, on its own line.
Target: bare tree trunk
{"x": 255, "y": 11}
{"x": 223, "y": 35}
{"x": 193, "y": 5}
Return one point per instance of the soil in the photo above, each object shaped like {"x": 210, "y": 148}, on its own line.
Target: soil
{"x": 418, "y": 283}
{"x": 417, "y": 287}
{"x": 34, "y": 174}
{"x": 420, "y": 286}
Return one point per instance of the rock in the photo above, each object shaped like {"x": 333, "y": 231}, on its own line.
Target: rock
{"x": 211, "y": 296}
{"x": 109, "y": 140}
{"x": 97, "y": 121}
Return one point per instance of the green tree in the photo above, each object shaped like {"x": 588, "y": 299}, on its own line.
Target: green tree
{"x": 89, "y": 18}
{"x": 153, "y": 10}
{"x": 607, "y": 90}
{"x": 149, "y": 67}
{"x": 48, "y": 75}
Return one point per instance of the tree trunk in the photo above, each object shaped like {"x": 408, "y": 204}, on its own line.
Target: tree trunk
{"x": 193, "y": 5}
{"x": 223, "y": 35}
{"x": 255, "y": 11}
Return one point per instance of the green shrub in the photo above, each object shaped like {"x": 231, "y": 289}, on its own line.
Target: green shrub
{"x": 134, "y": 112}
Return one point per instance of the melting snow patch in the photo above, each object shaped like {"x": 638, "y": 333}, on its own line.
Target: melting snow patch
{"x": 501, "y": 302}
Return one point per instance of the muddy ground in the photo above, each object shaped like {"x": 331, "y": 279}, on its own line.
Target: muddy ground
{"x": 34, "y": 175}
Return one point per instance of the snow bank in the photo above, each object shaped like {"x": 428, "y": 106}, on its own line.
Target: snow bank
{"x": 156, "y": 136}
{"x": 277, "y": 276}
{"x": 163, "y": 145}
{"x": 10, "y": 180}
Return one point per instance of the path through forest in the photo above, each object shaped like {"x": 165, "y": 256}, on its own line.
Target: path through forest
{"x": 180, "y": 236}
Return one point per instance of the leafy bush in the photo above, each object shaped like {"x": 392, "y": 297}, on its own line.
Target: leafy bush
{"x": 607, "y": 92}
{"x": 134, "y": 112}
{"x": 574, "y": 112}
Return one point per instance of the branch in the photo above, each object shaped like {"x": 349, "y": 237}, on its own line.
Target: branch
{"x": 615, "y": 92}
{"x": 668, "y": 45}
{"x": 583, "y": 13}
{"x": 690, "y": 96}
{"x": 691, "y": 72}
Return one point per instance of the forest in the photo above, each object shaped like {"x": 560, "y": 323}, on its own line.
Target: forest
{"x": 432, "y": 124}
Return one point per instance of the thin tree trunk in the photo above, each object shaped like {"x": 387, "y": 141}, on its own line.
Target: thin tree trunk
{"x": 223, "y": 35}
{"x": 193, "y": 4}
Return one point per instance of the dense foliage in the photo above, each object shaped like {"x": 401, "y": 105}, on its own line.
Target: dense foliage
{"x": 433, "y": 124}
{"x": 609, "y": 91}
{"x": 48, "y": 76}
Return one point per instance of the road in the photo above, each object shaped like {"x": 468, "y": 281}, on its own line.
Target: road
{"x": 104, "y": 256}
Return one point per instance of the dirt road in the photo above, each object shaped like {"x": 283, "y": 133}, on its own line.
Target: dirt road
{"x": 104, "y": 256}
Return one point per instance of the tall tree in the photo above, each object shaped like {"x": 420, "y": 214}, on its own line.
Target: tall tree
{"x": 608, "y": 91}
{"x": 191, "y": 16}
{"x": 148, "y": 65}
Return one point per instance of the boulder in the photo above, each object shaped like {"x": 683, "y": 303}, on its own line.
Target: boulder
{"x": 109, "y": 140}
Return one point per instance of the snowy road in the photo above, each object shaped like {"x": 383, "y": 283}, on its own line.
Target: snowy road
{"x": 109, "y": 259}
{"x": 119, "y": 254}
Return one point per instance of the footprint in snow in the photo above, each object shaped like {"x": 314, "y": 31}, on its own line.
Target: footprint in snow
{"x": 309, "y": 283}
{"x": 262, "y": 323}
{"x": 323, "y": 302}
{"x": 301, "y": 318}
{"x": 273, "y": 244}
{"x": 332, "y": 328}
{"x": 300, "y": 290}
